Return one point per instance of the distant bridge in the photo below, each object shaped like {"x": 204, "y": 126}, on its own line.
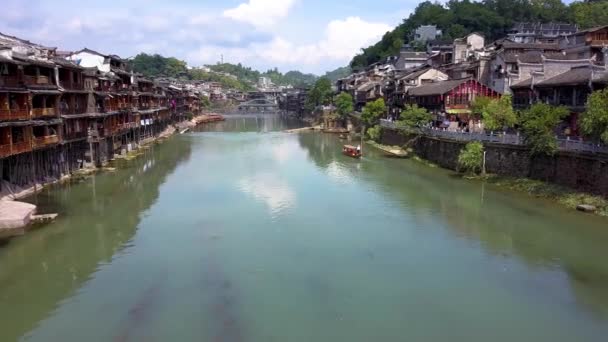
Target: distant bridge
{"x": 259, "y": 105}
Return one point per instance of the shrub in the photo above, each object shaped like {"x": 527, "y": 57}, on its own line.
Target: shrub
{"x": 375, "y": 133}
{"x": 470, "y": 159}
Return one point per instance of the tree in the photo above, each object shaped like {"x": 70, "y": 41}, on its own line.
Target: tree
{"x": 479, "y": 104}
{"x": 205, "y": 102}
{"x": 415, "y": 117}
{"x": 344, "y": 104}
{"x": 594, "y": 120}
{"x": 498, "y": 114}
{"x": 375, "y": 133}
{"x": 470, "y": 159}
{"x": 373, "y": 111}
{"x": 590, "y": 13}
{"x": 320, "y": 94}
{"x": 538, "y": 124}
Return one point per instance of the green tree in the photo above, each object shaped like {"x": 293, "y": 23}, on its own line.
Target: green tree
{"x": 320, "y": 94}
{"x": 589, "y": 14}
{"x": 344, "y": 104}
{"x": 594, "y": 120}
{"x": 375, "y": 133}
{"x": 373, "y": 111}
{"x": 470, "y": 159}
{"x": 479, "y": 104}
{"x": 538, "y": 124}
{"x": 498, "y": 114}
{"x": 205, "y": 102}
{"x": 415, "y": 117}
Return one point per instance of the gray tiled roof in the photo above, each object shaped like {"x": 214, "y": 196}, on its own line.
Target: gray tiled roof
{"x": 438, "y": 88}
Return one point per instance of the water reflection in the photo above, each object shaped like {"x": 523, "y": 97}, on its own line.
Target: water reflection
{"x": 262, "y": 123}
{"x": 98, "y": 216}
{"x": 270, "y": 189}
{"x": 541, "y": 234}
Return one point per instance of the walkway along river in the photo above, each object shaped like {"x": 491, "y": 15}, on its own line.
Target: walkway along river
{"x": 239, "y": 232}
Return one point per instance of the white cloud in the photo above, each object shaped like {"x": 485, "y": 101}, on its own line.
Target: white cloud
{"x": 243, "y": 34}
{"x": 270, "y": 189}
{"x": 260, "y": 13}
{"x": 342, "y": 40}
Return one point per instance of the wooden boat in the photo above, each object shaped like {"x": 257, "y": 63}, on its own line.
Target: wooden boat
{"x": 351, "y": 151}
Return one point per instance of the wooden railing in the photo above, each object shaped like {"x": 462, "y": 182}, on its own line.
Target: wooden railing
{"x": 17, "y": 114}
{"x": 37, "y": 112}
{"x": 5, "y": 150}
{"x": 36, "y": 80}
{"x": 10, "y": 81}
{"x": 46, "y": 140}
{"x": 16, "y": 148}
{"x": 599, "y": 42}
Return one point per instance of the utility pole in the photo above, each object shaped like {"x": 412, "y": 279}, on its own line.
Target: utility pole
{"x": 222, "y": 58}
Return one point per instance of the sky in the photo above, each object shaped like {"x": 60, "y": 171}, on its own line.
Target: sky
{"x": 307, "y": 35}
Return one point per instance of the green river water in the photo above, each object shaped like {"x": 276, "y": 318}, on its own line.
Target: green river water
{"x": 239, "y": 232}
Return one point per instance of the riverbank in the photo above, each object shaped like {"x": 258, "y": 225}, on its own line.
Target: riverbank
{"x": 561, "y": 195}
{"x": 15, "y": 216}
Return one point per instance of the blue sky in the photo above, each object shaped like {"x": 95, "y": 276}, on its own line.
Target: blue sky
{"x": 307, "y": 35}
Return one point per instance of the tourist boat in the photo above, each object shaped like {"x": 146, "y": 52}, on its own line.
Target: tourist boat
{"x": 351, "y": 151}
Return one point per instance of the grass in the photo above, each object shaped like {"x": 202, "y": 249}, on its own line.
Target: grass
{"x": 565, "y": 196}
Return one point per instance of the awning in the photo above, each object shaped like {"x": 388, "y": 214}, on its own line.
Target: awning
{"x": 458, "y": 111}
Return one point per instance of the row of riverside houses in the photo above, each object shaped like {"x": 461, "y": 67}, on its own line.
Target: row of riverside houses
{"x": 62, "y": 111}
{"x": 551, "y": 63}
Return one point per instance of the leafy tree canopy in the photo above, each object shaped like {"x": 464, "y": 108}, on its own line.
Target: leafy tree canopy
{"x": 344, "y": 104}
{"x": 538, "y": 124}
{"x": 373, "y": 111}
{"x": 415, "y": 117}
{"x": 594, "y": 121}
{"x": 492, "y": 18}
{"x": 498, "y": 114}
{"x": 320, "y": 94}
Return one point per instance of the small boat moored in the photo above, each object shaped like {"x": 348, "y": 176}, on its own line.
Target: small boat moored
{"x": 351, "y": 151}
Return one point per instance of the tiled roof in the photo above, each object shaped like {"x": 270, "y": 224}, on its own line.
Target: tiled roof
{"x": 531, "y": 46}
{"x": 575, "y": 76}
{"x": 438, "y": 88}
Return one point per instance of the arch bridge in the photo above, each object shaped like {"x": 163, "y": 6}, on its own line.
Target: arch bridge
{"x": 259, "y": 105}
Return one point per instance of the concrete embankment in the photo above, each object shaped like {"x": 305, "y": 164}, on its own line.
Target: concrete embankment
{"x": 14, "y": 217}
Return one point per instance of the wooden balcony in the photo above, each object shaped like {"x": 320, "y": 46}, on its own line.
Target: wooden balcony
{"x": 15, "y": 148}
{"x": 599, "y": 42}
{"x": 7, "y": 114}
{"x": 42, "y": 112}
{"x": 5, "y": 150}
{"x": 39, "y": 142}
{"x": 36, "y": 80}
{"x": 10, "y": 81}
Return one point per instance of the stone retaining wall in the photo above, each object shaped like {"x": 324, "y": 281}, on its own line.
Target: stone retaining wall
{"x": 579, "y": 171}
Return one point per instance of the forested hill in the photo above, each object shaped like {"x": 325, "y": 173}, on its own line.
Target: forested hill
{"x": 246, "y": 78}
{"x": 493, "y": 18}
{"x": 294, "y": 78}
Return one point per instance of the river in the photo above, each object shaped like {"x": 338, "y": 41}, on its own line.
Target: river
{"x": 239, "y": 232}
